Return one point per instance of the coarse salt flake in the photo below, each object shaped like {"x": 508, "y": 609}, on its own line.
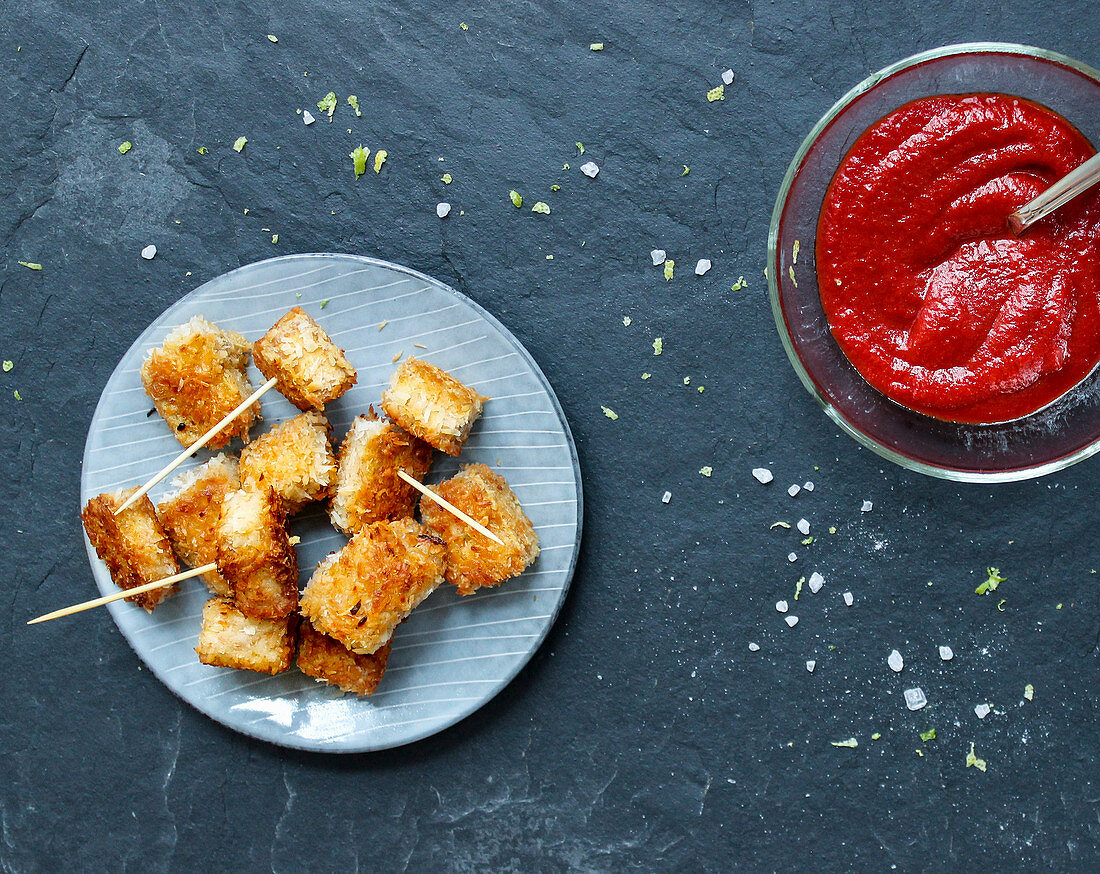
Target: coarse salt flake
{"x": 816, "y": 582}
{"x": 808, "y": 486}
{"x": 149, "y": 252}
{"x": 727, "y": 77}
{"x": 754, "y": 647}
{"x": 666, "y": 497}
{"x": 702, "y": 266}
{"x": 867, "y": 507}
{"x": 591, "y": 170}
{"x": 982, "y": 710}
{"x": 849, "y": 598}
{"x": 792, "y": 557}
{"x": 307, "y": 117}
{"x": 803, "y": 526}
{"x": 794, "y": 489}
{"x": 706, "y": 470}
{"x": 443, "y": 209}
{"x": 658, "y": 256}
{"x": 895, "y": 661}
{"x": 810, "y": 665}
{"x": 915, "y": 698}
{"x": 791, "y": 621}
{"x": 946, "y": 653}
{"x": 762, "y": 475}
{"x": 782, "y": 606}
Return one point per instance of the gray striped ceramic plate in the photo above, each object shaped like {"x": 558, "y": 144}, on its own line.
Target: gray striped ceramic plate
{"x": 453, "y": 654}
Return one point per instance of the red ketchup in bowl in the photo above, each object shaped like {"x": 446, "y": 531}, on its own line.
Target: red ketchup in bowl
{"x": 930, "y": 296}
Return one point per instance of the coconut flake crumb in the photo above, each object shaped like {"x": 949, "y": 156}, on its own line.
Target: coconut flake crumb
{"x": 706, "y": 470}
{"x": 849, "y": 598}
{"x": 972, "y": 760}
{"x": 754, "y": 647}
{"x": 149, "y": 252}
{"x": 591, "y": 170}
{"x": 915, "y": 698}
{"x": 850, "y": 743}
{"x": 803, "y": 526}
{"x": 794, "y": 489}
{"x": 666, "y": 497}
{"x": 1029, "y": 692}
{"x": 816, "y": 582}
{"x": 702, "y": 266}
{"x": 982, "y": 710}
{"x": 658, "y": 256}
{"x": 782, "y": 606}
{"x": 791, "y": 621}
{"x": 946, "y": 654}
{"x": 867, "y": 507}
{"x": 762, "y": 475}
{"x": 895, "y": 661}
{"x": 443, "y": 209}
{"x": 810, "y": 665}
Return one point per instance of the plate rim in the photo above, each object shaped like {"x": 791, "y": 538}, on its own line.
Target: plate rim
{"x": 286, "y": 739}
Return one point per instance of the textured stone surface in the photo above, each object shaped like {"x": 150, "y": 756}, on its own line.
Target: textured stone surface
{"x": 644, "y": 735}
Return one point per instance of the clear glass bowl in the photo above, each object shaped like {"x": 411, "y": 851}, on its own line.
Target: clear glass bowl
{"x": 1057, "y": 436}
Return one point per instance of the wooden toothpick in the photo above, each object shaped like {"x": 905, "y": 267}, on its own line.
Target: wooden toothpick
{"x": 125, "y": 593}
{"x": 449, "y": 507}
{"x": 198, "y": 444}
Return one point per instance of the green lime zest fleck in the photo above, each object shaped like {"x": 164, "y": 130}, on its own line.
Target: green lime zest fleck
{"x": 646, "y": 375}
{"x": 706, "y": 470}
{"x": 718, "y": 93}
{"x": 658, "y": 346}
{"x": 972, "y": 761}
{"x": 595, "y": 47}
{"x": 739, "y": 284}
{"x": 565, "y": 166}
{"x": 324, "y": 303}
{"x": 239, "y": 144}
{"x": 125, "y": 147}
{"x": 18, "y": 396}
{"x": 555, "y": 187}
{"x": 274, "y": 238}
{"x": 358, "y": 157}
{"x": 610, "y": 413}
{"x": 928, "y": 735}
{"x": 790, "y": 272}
{"x": 687, "y": 170}
{"x": 794, "y": 251}
{"x": 1029, "y": 690}
{"x": 670, "y": 266}
{"x": 517, "y": 199}
{"x": 798, "y": 587}
{"x": 8, "y": 365}
{"x": 876, "y": 736}
{"x": 380, "y": 159}
{"x": 203, "y": 150}
{"x": 1001, "y": 605}
{"x": 775, "y": 525}
{"x": 541, "y": 208}
{"x": 464, "y": 25}
{"x": 31, "y": 265}
{"x": 806, "y": 541}
{"x": 580, "y": 146}
{"x": 353, "y": 102}
{"x": 850, "y": 743}
{"x": 448, "y": 178}
{"x": 328, "y": 104}
{"x": 993, "y": 580}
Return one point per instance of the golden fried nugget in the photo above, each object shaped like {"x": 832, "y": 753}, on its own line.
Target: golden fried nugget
{"x": 323, "y": 658}
{"x": 230, "y": 639}
{"x": 255, "y": 555}
{"x": 432, "y": 404}
{"x": 197, "y": 378}
{"x": 132, "y": 544}
{"x": 294, "y": 458}
{"x": 473, "y": 560}
{"x": 359, "y": 594}
{"x": 311, "y": 369}
{"x": 368, "y": 488}
{"x": 190, "y": 515}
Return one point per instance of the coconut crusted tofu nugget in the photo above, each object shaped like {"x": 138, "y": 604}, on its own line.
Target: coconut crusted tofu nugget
{"x": 190, "y": 515}
{"x": 360, "y": 594}
{"x": 321, "y": 657}
{"x": 368, "y": 488}
{"x": 133, "y": 544}
{"x": 311, "y": 369}
{"x": 294, "y": 458}
{"x": 255, "y": 554}
{"x": 230, "y": 639}
{"x": 197, "y": 378}
{"x": 473, "y": 560}
{"x": 432, "y": 404}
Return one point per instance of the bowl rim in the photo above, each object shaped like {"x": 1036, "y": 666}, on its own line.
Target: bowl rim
{"x": 850, "y": 428}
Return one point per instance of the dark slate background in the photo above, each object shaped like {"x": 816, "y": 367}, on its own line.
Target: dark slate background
{"x": 644, "y": 735}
